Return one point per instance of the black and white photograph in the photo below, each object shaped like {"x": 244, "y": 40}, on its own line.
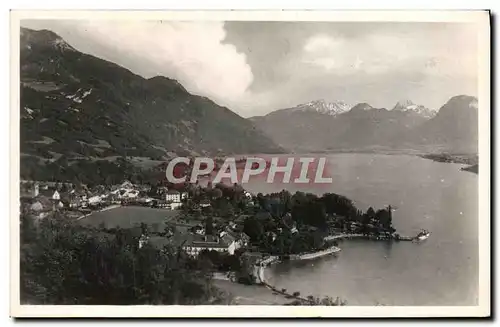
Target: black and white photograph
{"x": 260, "y": 163}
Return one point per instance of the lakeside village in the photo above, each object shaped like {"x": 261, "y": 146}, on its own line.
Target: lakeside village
{"x": 237, "y": 231}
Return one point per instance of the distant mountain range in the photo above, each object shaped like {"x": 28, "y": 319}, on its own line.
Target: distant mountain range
{"x": 322, "y": 107}
{"x": 79, "y": 107}
{"x": 315, "y": 127}
{"x": 409, "y": 106}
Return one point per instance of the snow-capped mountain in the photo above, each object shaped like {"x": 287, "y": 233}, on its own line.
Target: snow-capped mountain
{"x": 409, "y": 106}
{"x": 407, "y": 126}
{"x": 361, "y": 107}
{"x": 323, "y": 107}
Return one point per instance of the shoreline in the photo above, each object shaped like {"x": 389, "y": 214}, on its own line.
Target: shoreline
{"x": 260, "y": 267}
{"x": 470, "y": 161}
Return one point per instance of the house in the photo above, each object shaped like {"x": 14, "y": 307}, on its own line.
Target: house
{"x": 41, "y": 207}
{"x": 205, "y": 203}
{"x": 230, "y": 240}
{"x": 29, "y": 190}
{"x": 56, "y": 196}
{"x": 127, "y": 185}
{"x": 74, "y": 202}
{"x": 131, "y": 194}
{"x": 114, "y": 198}
{"x": 241, "y": 239}
{"x": 173, "y": 196}
{"x": 36, "y": 207}
{"x": 94, "y": 199}
{"x": 125, "y": 193}
{"x": 196, "y": 243}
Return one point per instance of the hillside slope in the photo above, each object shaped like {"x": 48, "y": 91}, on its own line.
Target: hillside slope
{"x": 80, "y": 107}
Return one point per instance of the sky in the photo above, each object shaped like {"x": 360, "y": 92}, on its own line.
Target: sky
{"x": 254, "y": 68}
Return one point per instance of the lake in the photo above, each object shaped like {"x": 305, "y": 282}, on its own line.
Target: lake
{"x": 436, "y": 196}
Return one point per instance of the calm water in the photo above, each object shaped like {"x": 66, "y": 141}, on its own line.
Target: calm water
{"x": 437, "y": 196}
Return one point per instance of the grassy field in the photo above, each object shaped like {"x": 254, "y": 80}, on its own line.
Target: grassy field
{"x": 126, "y": 217}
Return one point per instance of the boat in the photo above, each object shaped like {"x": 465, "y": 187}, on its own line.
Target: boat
{"x": 423, "y": 235}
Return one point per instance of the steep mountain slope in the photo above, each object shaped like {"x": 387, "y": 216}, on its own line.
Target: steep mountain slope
{"x": 81, "y": 107}
{"x": 453, "y": 129}
{"x": 365, "y": 127}
{"x": 298, "y": 131}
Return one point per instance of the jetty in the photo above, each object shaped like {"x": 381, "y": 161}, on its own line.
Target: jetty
{"x": 313, "y": 255}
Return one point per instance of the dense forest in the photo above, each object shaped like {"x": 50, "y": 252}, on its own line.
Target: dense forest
{"x": 66, "y": 263}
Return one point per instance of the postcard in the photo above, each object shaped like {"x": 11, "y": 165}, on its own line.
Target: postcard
{"x": 250, "y": 164}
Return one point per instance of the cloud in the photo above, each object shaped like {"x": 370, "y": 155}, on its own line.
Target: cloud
{"x": 192, "y": 53}
{"x": 446, "y": 52}
{"x": 256, "y": 67}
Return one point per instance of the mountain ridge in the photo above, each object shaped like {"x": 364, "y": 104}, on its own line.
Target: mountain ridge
{"x": 81, "y": 107}
{"x": 363, "y": 127}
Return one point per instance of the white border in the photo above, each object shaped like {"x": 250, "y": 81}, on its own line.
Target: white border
{"x": 481, "y": 18}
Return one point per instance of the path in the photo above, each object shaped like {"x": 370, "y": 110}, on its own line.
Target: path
{"x": 114, "y": 206}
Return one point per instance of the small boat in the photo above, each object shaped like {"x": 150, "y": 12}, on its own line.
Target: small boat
{"x": 423, "y": 235}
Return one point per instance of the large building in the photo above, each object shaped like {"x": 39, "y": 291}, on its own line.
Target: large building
{"x": 199, "y": 243}
{"x": 175, "y": 196}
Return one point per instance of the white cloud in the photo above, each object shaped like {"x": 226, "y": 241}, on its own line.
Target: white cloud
{"x": 322, "y": 43}
{"x": 192, "y": 53}
{"x": 427, "y": 63}
{"x": 445, "y": 52}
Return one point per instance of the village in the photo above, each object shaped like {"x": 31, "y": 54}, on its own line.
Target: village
{"x": 239, "y": 233}
{"x": 45, "y": 197}
{"x": 42, "y": 199}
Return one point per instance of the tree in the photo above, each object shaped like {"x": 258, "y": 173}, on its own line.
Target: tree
{"x": 253, "y": 228}
{"x": 144, "y": 228}
{"x": 67, "y": 263}
{"x": 209, "y": 225}
{"x": 371, "y": 213}
{"x": 216, "y": 193}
